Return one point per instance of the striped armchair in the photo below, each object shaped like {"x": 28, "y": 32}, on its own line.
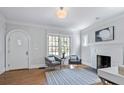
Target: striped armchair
{"x": 52, "y": 61}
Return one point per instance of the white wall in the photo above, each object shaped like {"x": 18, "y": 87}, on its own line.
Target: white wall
{"x": 38, "y": 35}
{"x": 2, "y": 44}
{"x": 76, "y": 43}
{"x": 110, "y": 48}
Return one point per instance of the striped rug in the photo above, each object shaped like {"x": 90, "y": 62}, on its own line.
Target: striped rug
{"x": 77, "y": 76}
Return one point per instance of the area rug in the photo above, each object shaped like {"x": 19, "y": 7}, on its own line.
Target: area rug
{"x": 77, "y": 76}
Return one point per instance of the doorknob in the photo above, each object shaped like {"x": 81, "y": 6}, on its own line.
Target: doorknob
{"x": 26, "y": 52}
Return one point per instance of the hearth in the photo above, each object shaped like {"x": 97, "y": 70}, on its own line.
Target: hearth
{"x": 103, "y": 61}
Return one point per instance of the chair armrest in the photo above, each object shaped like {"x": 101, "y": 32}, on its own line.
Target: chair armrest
{"x": 47, "y": 61}
{"x": 58, "y": 59}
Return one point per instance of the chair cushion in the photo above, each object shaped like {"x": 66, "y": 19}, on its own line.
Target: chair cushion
{"x": 55, "y": 62}
{"x": 51, "y": 59}
{"x": 75, "y": 60}
{"x": 73, "y": 57}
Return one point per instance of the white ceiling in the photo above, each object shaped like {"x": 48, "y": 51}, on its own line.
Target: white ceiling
{"x": 78, "y": 18}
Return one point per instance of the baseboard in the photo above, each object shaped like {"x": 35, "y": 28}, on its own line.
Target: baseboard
{"x": 2, "y": 71}
{"x": 37, "y": 66}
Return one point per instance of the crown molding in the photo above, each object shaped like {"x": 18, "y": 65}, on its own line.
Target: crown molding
{"x": 23, "y": 23}
{"x": 36, "y": 25}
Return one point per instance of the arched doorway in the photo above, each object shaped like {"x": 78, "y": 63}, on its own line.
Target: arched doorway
{"x": 17, "y": 50}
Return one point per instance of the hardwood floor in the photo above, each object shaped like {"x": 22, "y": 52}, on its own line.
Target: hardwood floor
{"x": 28, "y": 77}
{"x": 23, "y": 77}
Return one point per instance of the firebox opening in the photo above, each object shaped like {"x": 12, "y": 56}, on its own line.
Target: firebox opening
{"x": 103, "y": 61}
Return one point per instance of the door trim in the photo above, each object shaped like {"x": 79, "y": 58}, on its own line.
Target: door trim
{"x": 6, "y": 50}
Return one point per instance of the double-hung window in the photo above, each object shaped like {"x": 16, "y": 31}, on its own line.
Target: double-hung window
{"x": 57, "y": 45}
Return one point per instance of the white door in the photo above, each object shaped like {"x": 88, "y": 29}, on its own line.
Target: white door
{"x": 17, "y": 51}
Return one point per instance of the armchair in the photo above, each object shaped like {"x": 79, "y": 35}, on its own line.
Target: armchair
{"x": 52, "y": 61}
{"x": 74, "y": 59}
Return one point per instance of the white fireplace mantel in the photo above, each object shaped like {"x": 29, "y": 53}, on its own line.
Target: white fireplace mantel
{"x": 115, "y": 52}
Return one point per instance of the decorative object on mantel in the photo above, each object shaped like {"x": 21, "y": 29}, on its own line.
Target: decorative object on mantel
{"x": 106, "y": 34}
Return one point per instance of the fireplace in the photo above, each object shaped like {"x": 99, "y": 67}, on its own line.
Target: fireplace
{"x": 103, "y": 61}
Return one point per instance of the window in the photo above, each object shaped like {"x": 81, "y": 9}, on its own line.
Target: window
{"x": 65, "y": 45}
{"x": 58, "y": 45}
{"x": 53, "y": 45}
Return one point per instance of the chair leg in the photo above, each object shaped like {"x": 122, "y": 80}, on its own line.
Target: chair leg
{"x": 60, "y": 66}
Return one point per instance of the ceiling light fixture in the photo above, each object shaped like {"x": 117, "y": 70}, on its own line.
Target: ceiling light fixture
{"x": 61, "y": 13}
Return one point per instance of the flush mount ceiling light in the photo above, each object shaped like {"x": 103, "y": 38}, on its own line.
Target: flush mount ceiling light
{"x": 61, "y": 13}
